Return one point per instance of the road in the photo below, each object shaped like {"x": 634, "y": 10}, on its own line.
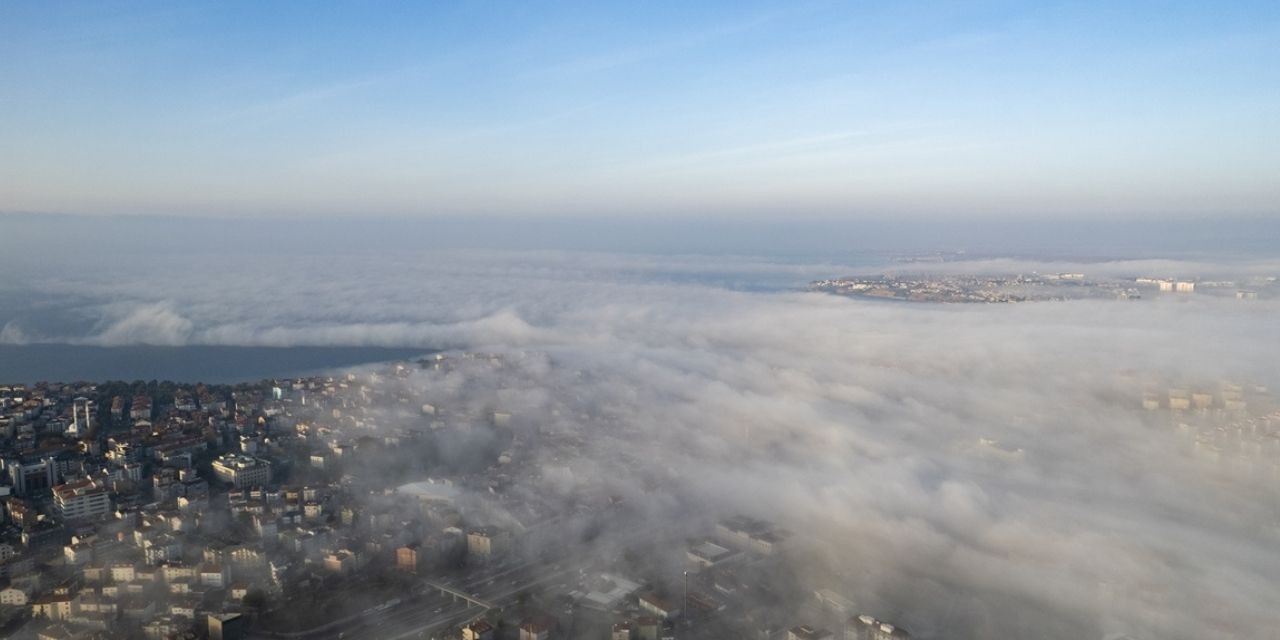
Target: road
{"x": 501, "y": 591}
{"x": 429, "y": 612}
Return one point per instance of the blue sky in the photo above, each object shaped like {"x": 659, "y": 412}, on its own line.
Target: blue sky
{"x": 820, "y": 110}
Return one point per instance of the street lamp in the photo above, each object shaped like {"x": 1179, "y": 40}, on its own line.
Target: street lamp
{"x": 684, "y": 606}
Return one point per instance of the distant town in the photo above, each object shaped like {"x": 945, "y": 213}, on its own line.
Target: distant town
{"x": 1231, "y": 424}
{"x": 352, "y": 507}
{"x": 965, "y": 288}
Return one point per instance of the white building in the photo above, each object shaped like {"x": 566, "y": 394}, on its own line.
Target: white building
{"x": 81, "y": 500}
{"x": 242, "y": 471}
{"x": 15, "y": 595}
{"x": 658, "y": 606}
{"x": 213, "y": 575}
{"x": 706, "y": 554}
{"x": 865, "y": 627}
{"x": 31, "y": 477}
{"x": 77, "y": 554}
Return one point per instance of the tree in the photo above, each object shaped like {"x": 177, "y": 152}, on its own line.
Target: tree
{"x": 255, "y": 599}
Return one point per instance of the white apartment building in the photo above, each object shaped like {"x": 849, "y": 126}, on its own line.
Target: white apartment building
{"x": 242, "y": 471}
{"x": 81, "y": 500}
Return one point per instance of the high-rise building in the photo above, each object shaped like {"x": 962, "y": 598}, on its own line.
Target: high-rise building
{"x": 31, "y": 477}
{"x": 81, "y": 500}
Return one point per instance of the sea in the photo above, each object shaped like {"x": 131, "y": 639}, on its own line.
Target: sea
{"x": 133, "y": 282}
{"x": 27, "y": 364}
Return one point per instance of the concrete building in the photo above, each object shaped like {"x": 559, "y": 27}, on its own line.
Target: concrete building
{"x": 648, "y": 628}
{"x": 77, "y": 554}
{"x": 707, "y": 554}
{"x": 621, "y": 631}
{"x": 833, "y": 601}
{"x": 1201, "y": 400}
{"x": 865, "y": 627}
{"x": 15, "y": 595}
{"x": 736, "y": 532}
{"x": 607, "y": 591}
{"x": 806, "y": 632}
{"x": 122, "y": 572}
{"x": 659, "y": 606}
{"x": 229, "y": 626}
{"x": 478, "y": 630}
{"x": 242, "y": 471}
{"x": 340, "y": 562}
{"x": 140, "y": 408}
{"x": 32, "y": 477}
{"x": 1151, "y": 401}
{"x": 214, "y": 575}
{"x": 486, "y": 543}
{"x": 769, "y": 542}
{"x": 537, "y": 629}
{"x": 749, "y": 534}
{"x": 410, "y": 557}
{"x": 55, "y": 606}
{"x": 81, "y": 500}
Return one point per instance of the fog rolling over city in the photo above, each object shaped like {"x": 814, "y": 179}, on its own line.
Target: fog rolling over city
{"x": 1011, "y": 489}
{"x": 963, "y": 470}
{"x": 639, "y": 321}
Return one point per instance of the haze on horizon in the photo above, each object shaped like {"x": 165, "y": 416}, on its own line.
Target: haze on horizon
{"x": 820, "y": 109}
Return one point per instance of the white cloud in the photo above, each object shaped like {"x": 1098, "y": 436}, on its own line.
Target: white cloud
{"x": 11, "y": 333}
{"x": 151, "y": 324}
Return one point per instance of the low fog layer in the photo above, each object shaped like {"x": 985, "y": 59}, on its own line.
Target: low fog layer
{"x": 971, "y": 471}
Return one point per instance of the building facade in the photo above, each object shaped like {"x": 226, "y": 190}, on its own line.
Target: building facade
{"x": 81, "y": 500}
{"x": 242, "y": 471}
